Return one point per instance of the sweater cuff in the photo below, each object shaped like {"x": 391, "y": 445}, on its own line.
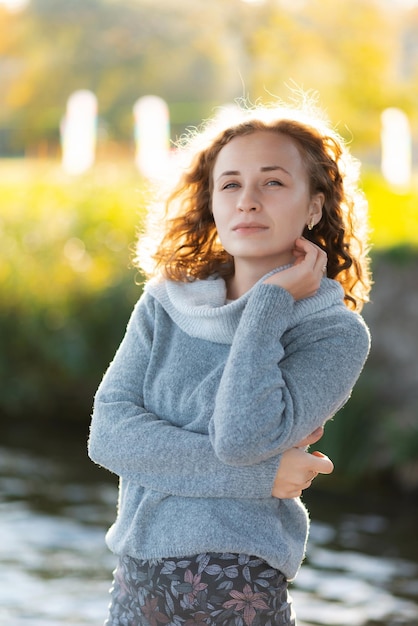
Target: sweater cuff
{"x": 269, "y": 305}
{"x": 266, "y": 477}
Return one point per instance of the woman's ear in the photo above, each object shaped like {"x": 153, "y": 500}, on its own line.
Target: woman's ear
{"x": 315, "y": 208}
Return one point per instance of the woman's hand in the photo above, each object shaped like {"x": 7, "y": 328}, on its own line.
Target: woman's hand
{"x": 302, "y": 280}
{"x": 298, "y": 468}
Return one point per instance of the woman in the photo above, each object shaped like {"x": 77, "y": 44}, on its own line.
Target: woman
{"x": 245, "y": 342}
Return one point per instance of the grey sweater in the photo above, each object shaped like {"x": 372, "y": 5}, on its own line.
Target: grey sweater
{"x": 200, "y": 401}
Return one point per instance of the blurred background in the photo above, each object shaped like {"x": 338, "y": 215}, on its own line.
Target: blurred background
{"x": 75, "y": 126}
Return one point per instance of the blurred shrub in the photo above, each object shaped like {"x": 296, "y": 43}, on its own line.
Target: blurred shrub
{"x": 371, "y": 442}
{"x": 65, "y": 283}
{"x": 393, "y": 212}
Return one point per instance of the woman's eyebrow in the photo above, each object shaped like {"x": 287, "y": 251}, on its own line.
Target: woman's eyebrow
{"x": 273, "y": 168}
{"x": 266, "y": 168}
{"x": 229, "y": 173}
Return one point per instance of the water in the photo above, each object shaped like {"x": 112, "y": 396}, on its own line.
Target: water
{"x": 55, "y": 506}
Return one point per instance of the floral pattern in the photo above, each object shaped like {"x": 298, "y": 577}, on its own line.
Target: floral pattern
{"x": 206, "y": 590}
{"x": 248, "y": 601}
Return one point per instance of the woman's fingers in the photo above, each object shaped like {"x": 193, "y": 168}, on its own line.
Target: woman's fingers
{"x": 323, "y": 464}
{"x": 297, "y": 470}
{"x": 303, "y": 278}
{"x": 326, "y": 466}
{"x": 313, "y": 254}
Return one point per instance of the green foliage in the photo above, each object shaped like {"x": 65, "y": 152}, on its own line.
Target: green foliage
{"x": 393, "y": 212}
{"x": 351, "y": 439}
{"x": 66, "y": 287}
{"x": 368, "y": 439}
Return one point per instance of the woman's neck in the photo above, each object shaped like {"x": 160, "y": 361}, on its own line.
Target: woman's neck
{"x": 244, "y": 278}
{"x": 247, "y": 274}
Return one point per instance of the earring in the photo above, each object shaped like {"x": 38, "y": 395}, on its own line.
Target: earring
{"x": 311, "y": 224}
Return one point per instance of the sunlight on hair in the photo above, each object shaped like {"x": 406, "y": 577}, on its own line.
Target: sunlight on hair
{"x": 301, "y": 107}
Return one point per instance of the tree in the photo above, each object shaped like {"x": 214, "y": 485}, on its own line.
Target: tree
{"x": 342, "y": 49}
{"x": 198, "y": 55}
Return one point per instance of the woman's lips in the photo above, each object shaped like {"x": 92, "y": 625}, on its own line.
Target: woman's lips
{"x": 249, "y": 228}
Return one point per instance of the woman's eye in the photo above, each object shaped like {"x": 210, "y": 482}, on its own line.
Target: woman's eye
{"x": 230, "y": 186}
{"x": 271, "y": 183}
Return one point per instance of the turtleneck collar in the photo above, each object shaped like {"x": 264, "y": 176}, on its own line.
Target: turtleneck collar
{"x": 201, "y": 310}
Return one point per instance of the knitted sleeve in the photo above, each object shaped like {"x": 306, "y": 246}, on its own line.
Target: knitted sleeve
{"x": 277, "y": 388}
{"x": 135, "y": 444}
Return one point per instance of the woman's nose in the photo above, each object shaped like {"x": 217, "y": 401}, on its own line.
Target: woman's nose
{"x": 248, "y": 201}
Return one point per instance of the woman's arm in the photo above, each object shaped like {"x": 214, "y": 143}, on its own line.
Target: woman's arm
{"x": 131, "y": 442}
{"x": 269, "y": 399}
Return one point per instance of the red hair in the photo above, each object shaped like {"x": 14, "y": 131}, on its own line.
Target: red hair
{"x": 189, "y": 248}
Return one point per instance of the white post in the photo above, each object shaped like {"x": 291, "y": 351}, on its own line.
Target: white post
{"x": 396, "y": 147}
{"x": 152, "y": 136}
{"x": 78, "y": 132}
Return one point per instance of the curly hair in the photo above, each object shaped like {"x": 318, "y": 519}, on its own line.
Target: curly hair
{"x": 189, "y": 247}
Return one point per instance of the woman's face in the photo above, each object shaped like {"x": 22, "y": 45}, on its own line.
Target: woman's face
{"x": 261, "y": 201}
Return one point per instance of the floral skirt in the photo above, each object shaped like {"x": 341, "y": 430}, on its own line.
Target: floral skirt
{"x": 204, "y": 590}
